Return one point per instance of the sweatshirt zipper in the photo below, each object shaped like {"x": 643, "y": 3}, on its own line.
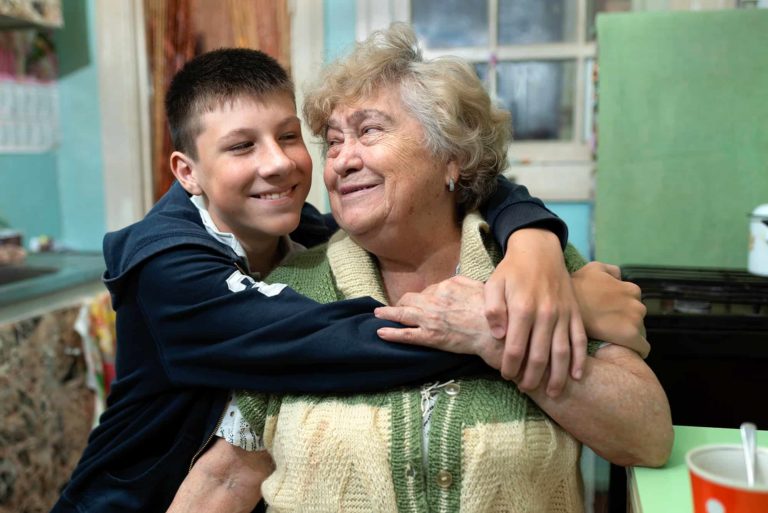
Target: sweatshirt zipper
{"x": 208, "y": 441}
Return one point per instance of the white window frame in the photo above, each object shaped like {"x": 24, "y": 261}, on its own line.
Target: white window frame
{"x": 377, "y": 14}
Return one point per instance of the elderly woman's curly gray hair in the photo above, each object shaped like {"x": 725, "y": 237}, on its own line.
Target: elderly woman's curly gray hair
{"x": 444, "y": 94}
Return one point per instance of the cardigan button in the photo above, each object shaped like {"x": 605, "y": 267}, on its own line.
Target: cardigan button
{"x": 452, "y": 389}
{"x": 410, "y": 471}
{"x": 444, "y": 479}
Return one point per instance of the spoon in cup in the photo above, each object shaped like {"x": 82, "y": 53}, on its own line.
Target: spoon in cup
{"x": 749, "y": 443}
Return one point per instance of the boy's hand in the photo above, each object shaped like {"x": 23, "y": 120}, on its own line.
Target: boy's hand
{"x": 530, "y": 303}
{"x": 611, "y": 308}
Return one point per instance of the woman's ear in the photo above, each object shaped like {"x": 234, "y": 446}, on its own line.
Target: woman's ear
{"x": 183, "y": 169}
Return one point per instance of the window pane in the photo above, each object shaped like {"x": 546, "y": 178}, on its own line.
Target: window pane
{"x": 596, "y": 6}
{"x": 450, "y": 23}
{"x": 481, "y": 68}
{"x": 536, "y": 21}
{"x": 540, "y": 95}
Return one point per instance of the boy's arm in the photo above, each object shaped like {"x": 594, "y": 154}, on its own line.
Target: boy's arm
{"x": 269, "y": 339}
{"x": 529, "y": 299}
{"x": 511, "y": 208}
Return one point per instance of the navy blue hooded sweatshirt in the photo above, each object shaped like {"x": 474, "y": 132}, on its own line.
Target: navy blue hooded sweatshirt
{"x": 184, "y": 339}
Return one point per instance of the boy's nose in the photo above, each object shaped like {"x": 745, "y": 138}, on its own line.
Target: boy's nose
{"x": 273, "y": 161}
{"x": 348, "y": 160}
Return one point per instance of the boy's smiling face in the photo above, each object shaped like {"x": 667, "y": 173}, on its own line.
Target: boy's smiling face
{"x": 253, "y": 168}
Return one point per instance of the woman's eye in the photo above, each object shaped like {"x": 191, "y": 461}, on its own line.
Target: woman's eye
{"x": 333, "y": 147}
{"x": 369, "y": 130}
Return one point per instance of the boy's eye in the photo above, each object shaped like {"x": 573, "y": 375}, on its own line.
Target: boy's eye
{"x": 241, "y": 147}
{"x": 290, "y": 136}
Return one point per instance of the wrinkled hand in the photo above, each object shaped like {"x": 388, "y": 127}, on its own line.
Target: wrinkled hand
{"x": 448, "y": 316}
{"x": 530, "y": 298}
{"x": 611, "y": 308}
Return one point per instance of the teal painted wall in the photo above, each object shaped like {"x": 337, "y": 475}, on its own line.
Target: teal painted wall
{"x": 339, "y": 16}
{"x": 79, "y": 162}
{"x": 578, "y": 217}
{"x": 683, "y": 152}
{"x": 61, "y": 193}
{"x": 29, "y": 194}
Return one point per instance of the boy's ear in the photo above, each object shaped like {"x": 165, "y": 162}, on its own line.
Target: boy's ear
{"x": 183, "y": 168}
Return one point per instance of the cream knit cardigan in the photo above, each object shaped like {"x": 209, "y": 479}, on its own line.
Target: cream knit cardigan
{"x": 491, "y": 449}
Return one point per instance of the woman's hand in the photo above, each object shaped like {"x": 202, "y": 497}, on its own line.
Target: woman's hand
{"x": 611, "y": 308}
{"x": 530, "y": 303}
{"x": 448, "y": 316}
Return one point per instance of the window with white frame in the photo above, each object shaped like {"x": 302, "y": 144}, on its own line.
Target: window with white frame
{"x": 535, "y": 57}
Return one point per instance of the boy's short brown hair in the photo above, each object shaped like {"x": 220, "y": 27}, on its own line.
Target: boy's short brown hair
{"x": 214, "y": 78}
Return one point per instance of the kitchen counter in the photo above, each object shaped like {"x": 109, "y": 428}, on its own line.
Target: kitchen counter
{"x": 46, "y": 402}
{"x": 76, "y": 275}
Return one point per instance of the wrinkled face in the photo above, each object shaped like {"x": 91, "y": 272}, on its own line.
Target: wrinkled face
{"x": 253, "y": 167}
{"x": 377, "y": 170}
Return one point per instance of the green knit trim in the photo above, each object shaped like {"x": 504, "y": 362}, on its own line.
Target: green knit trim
{"x": 573, "y": 259}
{"x": 406, "y": 453}
{"x": 254, "y": 408}
{"x": 375, "y": 400}
{"x": 498, "y": 400}
{"x": 445, "y": 449}
{"x": 309, "y": 274}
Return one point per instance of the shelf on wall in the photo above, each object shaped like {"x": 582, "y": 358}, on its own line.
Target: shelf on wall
{"x": 26, "y": 14}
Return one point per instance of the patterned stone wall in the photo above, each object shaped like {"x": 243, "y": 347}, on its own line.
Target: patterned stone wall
{"x": 46, "y": 410}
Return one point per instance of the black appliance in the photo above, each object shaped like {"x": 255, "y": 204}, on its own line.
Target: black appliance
{"x": 708, "y": 330}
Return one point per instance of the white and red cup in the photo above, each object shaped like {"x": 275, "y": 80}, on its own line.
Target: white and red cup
{"x": 719, "y": 480}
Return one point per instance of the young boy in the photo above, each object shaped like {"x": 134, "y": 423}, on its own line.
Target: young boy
{"x": 194, "y": 322}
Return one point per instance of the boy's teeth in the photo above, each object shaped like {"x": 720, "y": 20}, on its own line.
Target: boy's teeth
{"x": 274, "y": 196}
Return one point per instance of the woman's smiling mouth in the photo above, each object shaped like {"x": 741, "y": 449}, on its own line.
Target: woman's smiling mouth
{"x": 346, "y": 190}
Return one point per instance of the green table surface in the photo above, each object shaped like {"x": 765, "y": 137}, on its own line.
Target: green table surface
{"x": 668, "y": 489}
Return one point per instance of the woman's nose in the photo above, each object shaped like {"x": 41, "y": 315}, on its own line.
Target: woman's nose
{"x": 273, "y": 161}
{"x": 348, "y": 159}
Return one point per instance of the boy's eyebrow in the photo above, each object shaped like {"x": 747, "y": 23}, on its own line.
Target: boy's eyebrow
{"x": 248, "y": 131}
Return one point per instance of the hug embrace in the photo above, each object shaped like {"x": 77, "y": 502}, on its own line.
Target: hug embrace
{"x": 251, "y": 368}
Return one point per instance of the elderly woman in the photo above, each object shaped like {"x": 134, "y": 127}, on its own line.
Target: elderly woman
{"x": 413, "y": 147}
